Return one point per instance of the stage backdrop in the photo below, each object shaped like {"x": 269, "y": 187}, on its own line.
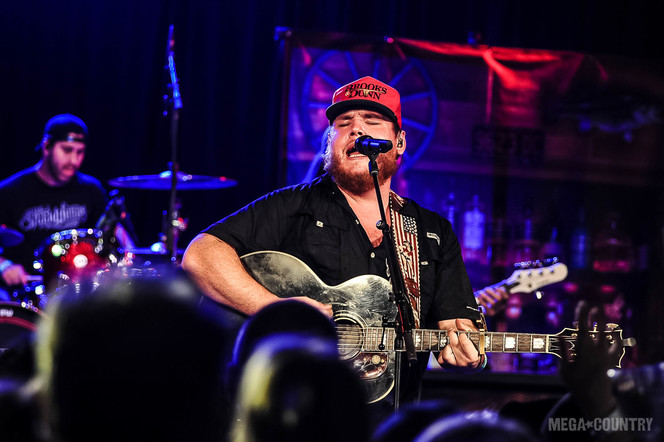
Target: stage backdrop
{"x": 543, "y": 143}
{"x": 485, "y": 110}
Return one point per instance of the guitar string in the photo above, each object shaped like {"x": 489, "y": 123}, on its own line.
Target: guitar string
{"x": 363, "y": 332}
{"x": 377, "y": 332}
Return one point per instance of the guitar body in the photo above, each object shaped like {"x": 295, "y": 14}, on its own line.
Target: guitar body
{"x": 359, "y": 304}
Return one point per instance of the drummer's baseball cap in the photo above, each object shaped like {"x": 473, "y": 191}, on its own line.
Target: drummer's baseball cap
{"x": 366, "y": 93}
{"x": 60, "y": 128}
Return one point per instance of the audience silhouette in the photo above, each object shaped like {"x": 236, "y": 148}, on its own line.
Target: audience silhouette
{"x": 295, "y": 388}
{"x": 411, "y": 419}
{"x": 135, "y": 360}
{"x": 288, "y": 316}
{"x": 481, "y": 426}
{"x": 143, "y": 359}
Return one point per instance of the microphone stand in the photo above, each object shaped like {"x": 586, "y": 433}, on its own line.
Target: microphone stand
{"x": 405, "y": 321}
{"x": 176, "y": 102}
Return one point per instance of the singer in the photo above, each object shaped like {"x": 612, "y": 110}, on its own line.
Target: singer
{"x": 330, "y": 224}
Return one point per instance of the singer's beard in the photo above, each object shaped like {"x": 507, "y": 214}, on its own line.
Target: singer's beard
{"x": 357, "y": 181}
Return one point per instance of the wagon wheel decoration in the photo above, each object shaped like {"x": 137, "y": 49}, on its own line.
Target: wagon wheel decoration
{"x": 334, "y": 68}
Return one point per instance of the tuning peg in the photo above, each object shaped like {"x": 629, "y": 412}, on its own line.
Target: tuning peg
{"x": 610, "y": 326}
{"x": 575, "y": 324}
{"x": 595, "y": 326}
{"x": 525, "y": 265}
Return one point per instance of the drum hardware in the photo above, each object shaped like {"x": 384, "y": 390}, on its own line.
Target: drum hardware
{"x": 174, "y": 99}
{"x": 165, "y": 181}
{"x": 177, "y": 224}
{"x": 75, "y": 256}
{"x": 158, "y": 248}
{"x": 146, "y": 257}
{"x": 32, "y": 295}
{"x": 115, "y": 214}
{"x": 173, "y": 225}
{"x": 127, "y": 273}
{"x": 9, "y": 237}
{"x": 172, "y": 179}
{"x": 16, "y": 320}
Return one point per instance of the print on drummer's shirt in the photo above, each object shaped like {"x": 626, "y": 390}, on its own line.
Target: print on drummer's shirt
{"x": 61, "y": 217}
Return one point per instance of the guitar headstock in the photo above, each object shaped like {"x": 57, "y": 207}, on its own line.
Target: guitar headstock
{"x": 536, "y": 263}
{"x": 565, "y": 341}
{"x": 533, "y": 275}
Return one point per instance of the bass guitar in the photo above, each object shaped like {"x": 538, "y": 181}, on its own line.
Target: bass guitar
{"x": 364, "y": 305}
{"x": 529, "y": 277}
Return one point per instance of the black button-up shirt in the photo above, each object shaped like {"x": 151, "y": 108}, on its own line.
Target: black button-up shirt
{"x": 315, "y": 223}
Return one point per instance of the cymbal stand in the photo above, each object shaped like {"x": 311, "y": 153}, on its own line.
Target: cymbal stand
{"x": 175, "y": 101}
{"x": 172, "y": 223}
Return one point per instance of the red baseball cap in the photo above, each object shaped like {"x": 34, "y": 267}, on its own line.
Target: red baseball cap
{"x": 366, "y": 93}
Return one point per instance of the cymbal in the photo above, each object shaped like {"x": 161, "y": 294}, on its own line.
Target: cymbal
{"x": 9, "y": 237}
{"x": 163, "y": 182}
{"x": 151, "y": 251}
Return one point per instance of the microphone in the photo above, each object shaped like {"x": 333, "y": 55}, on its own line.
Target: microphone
{"x": 366, "y": 145}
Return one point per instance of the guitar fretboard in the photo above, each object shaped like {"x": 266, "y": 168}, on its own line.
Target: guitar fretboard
{"x": 436, "y": 340}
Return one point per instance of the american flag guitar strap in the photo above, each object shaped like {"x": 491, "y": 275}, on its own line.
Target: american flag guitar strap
{"x": 404, "y": 230}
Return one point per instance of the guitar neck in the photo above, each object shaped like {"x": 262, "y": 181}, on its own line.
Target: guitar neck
{"x": 531, "y": 279}
{"x": 499, "y": 285}
{"x": 436, "y": 340}
{"x": 508, "y": 286}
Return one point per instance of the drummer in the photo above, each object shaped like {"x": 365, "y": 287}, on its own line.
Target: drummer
{"x": 51, "y": 196}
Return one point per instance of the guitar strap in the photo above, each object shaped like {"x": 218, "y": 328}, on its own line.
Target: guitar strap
{"x": 404, "y": 231}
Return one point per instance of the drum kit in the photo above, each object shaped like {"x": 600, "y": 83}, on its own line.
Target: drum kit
{"x": 82, "y": 259}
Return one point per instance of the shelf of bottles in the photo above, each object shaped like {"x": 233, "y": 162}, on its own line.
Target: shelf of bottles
{"x": 602, "y": 233}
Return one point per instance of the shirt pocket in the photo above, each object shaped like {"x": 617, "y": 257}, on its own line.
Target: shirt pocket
{"x": 319, "y": 246}
{"x": 321, "y": 234}
{"x": 430, "y": 262}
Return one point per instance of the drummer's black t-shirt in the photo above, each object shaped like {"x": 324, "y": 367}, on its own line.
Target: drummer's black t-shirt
{"x": 37, "y": 210}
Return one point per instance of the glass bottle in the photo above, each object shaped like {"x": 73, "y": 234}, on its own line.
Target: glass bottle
{"x": 526, "y": 247}
{"x": 449, "y": 209}
{"x": 579, "y": 244}
{"x": 473, "y": 230}
{"x": 496, "y": 248}
{"x": 553, "y": 247}
{"x": 612, "y": 248}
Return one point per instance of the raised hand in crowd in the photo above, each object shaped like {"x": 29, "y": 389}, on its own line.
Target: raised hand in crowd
{"x": 584, "y": 367}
